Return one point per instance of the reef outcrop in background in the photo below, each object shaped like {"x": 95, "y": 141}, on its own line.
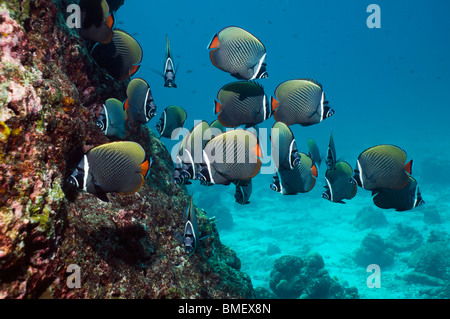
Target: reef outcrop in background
{"x": 306, "y": 278}
{"x": 51, "y": 92}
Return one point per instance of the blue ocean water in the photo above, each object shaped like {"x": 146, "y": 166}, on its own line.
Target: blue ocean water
{"x": 387, "y": 85}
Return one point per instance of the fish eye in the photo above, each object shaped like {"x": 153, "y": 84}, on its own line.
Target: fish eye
{"x": 72, "y": 181}
{"x": 330, "y": 112}
{"x": 189, "y": 244}
{"x": 325, "y": 195}
{"x": 274, "y": 187}
{"x": 296, "y": 161}
{"x": 185, "y": 175}
{"x": 76, "y": 179}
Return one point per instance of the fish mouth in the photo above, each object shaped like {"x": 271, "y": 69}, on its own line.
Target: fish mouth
{"x": 264, "y": 75}
{"x": 101, "y": 123}
{"x": 189, "y": 249}
{"x": 330, "y": 112}
{"x": 261, "y": 71}
{"x": 170, "y": 83}
{"x": 150, "y": 108}
{"x": 189, "y": 243}
{"x": 203, "y": 179}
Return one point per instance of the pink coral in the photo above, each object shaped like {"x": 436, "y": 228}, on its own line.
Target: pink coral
{"x": 12, "y": 39}
{"x": 22, "y": 95}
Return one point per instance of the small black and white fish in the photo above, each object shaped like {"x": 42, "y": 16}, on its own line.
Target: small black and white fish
{"x": 119, "y": 167}
{"x": 191, "y": 234}
{"x": 238, "y": 52}
{"x": 139, "y": 104}
{"x": 300, "y": 102}
{"x": 171, "y": 119}
{"x": 113, "y": 119}
{"x": 169, "y": 68}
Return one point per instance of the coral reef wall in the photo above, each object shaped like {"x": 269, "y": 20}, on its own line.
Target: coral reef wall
{"x": 51, "y": 92}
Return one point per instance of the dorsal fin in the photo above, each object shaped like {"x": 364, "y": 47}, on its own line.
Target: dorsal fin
{"x": 313, "y": 81}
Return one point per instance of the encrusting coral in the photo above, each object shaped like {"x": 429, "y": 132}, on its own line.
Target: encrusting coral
{"x": 51, "y": 92}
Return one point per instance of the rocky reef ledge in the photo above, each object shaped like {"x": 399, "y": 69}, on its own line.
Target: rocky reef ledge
{"x": 51, "y": 92}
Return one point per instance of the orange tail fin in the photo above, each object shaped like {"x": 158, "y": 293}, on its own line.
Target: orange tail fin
{"x": 315, "y": 172}
{"x": 134, "y": 69}
{"x": 258, "y": 151}
{"x": 145, "y": 168}
{"x": 408, "y": 167}
{"x": 273, "y": 103}
{"x": 214, "y": 42}
{"x": 218, "y": 107}
{"x": 110, "y": 20}
{"x": 125, "y": 105}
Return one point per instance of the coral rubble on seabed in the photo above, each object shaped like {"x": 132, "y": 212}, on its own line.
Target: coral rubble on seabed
{"x": 50, "y": 93}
